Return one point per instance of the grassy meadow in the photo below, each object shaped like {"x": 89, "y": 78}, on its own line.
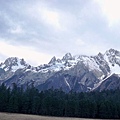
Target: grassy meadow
{"x": 12, "y": 116}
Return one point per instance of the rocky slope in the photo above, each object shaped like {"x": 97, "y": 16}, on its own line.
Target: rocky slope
{"x": 112, "y": 82}
{"x": 79, "y": 73}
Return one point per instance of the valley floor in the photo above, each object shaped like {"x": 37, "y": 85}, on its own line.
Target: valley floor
{"x": 12, "y": 116}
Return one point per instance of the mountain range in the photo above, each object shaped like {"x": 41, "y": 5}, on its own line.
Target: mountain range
{"x": 79, "y": 73}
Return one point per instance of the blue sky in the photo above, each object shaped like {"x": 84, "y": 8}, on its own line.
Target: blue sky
{"x": 37, "y": 30}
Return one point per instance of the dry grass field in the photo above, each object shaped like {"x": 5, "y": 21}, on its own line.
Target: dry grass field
{"x": 11, "y": 116}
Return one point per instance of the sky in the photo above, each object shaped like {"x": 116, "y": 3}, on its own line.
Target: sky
{"x": 37, "y": 30}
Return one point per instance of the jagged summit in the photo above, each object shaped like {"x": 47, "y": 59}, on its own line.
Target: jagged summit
{"x": 112, "y": 52}
{"x": 100, "y": 54}
{"x": 13, "y": 63}
{"x": 53, "y": 60}
{"x": 112, "y": 57}
{"x": 67, "y": 56}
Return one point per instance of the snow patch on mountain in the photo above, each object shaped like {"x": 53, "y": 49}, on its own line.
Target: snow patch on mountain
{"x": 67, "y": 83}
{"x": 18, "y": 66}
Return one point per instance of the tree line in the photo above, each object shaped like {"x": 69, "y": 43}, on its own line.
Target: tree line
{"x": 54, "y": 102}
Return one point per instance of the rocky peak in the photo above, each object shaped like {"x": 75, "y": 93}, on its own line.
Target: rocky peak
{"x": 100, "y": 55}
{"x": 13, "y": 63}
{"x": 53, "y": 60}
{"x": 59, "y": 60}
{"x": 112, "y": 57}
{"x": 67, "y": 56}
{"x": 22, "y": 62}
{"x": 112, "y": 52}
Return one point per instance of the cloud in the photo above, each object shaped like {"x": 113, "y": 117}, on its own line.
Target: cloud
{"x": 79, "y": 42}
{"x": 52, "y": 18}
{"x": 43, "y": 14}
{"x": 30, "y": 54}
{"x": 16, "y": 30}
{"x": 37, "y": 30}
{"x": 111, "y": 10}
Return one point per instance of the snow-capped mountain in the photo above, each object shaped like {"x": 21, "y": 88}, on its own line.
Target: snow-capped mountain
{"x": 10, "y": 66}
{"x": 13, "y": 63}
{"x": 77, "y": 73}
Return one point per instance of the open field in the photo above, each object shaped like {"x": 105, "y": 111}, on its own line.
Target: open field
{"x": 11, "y": 116}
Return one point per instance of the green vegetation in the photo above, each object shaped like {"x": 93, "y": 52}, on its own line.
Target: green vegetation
{"x": 51, "y": 102}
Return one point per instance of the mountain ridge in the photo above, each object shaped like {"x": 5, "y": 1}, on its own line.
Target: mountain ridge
{"x": 82, "y": 71}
